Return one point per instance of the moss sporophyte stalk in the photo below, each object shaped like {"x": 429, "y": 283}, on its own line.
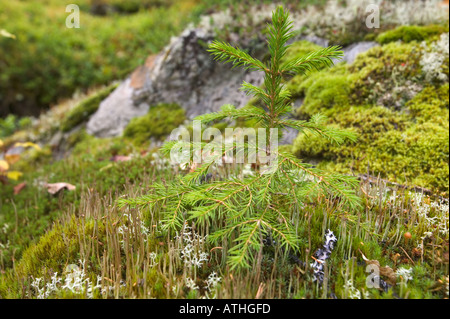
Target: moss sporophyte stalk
{"x": 267, "y": 203}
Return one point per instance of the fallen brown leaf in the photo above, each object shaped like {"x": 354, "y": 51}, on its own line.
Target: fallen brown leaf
{"x": 18, "y": 188}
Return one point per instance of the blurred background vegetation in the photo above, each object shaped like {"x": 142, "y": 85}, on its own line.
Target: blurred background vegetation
{"x": 48, "y": 62}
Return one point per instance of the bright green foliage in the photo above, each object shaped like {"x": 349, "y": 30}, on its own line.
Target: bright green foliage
{"x": 242, "y": 211}
{"x": 85, "y": 109}
{"x": 157, "y": 123}
{"x": 298, "y": 49}
{"x": 409, "y": 33}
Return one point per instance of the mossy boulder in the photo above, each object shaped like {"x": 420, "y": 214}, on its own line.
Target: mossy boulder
{"x": 401, "y": 119}
{"x": 384, "y": 75}
{"x": 157, "y": 123}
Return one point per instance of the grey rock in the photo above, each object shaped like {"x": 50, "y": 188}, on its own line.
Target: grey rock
{"x": 297, "y": 103}
{"x": 15, "y": 150}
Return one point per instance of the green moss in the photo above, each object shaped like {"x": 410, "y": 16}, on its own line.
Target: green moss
{"x": 86, "y": 108}
{"x": 54, "y": 250}
{"x": 418, "y": 155}
{"x": 133, "y": 6}
{"x": 321, "y": 91}
{"x": 157, "y": 123}
{"x": 324, "y": 93}
{"x": 411, "y": 33}
{"x": 431, "y": 104}
{"x": 86, "y": 146}
{"x": 368, "y": 122}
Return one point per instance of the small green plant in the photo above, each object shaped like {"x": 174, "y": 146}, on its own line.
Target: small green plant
{"x": 242, "y": 212}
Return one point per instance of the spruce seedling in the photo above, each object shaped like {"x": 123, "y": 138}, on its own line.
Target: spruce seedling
{"x": 244, "y": 211}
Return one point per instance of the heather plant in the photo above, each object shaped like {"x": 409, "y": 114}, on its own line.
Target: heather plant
{"x": 244, "y": 211}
